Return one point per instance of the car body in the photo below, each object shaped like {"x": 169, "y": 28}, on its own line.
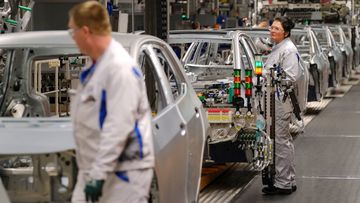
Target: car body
{"x": 345, "y": 47}
{"x": 211, "y": 59}
{"x": 335, "y": 56}
{"x": 34, "y": 61}
{"x": 352, "y": 35}
{"x": 311, "y": 52}
{"x": 215, "y": 50}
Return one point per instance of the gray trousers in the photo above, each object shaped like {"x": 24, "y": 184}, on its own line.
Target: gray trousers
{"x": 117, "y": 190}
{"x": 284, "y": 148}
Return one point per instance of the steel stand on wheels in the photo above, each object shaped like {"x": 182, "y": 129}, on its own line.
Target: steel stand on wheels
{"x": 268, "y": 174}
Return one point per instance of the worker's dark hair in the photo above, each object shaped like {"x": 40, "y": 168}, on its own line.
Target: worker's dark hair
{"x": 286, "y": 23}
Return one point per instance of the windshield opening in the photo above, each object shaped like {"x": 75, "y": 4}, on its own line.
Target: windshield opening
{"x": 54, "y": 76}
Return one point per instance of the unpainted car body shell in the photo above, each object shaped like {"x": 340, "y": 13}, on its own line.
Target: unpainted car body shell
{"x": 230, "y": 37}
{"x": 179, "y": 129}
{"x": 333, "y": 52}
{"x": 355, "y": 43}
{"x": 345, "y": 47}
{"x": 311, "y": 52}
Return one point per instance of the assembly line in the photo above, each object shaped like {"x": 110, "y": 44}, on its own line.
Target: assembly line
{"x": 212, "y": 105}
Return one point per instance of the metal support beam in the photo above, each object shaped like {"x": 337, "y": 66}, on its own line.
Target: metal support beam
{"x": 156, "y": 18}
{"x": 188, "y": 8}
{"x": 352, "y": 13}
{"x": 255, "y": 20}
{"x": 132, "y": 16}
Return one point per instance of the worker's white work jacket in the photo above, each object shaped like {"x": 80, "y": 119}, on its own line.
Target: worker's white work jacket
{"x": 285, "y": 55}
{"x": 112, "y": 117}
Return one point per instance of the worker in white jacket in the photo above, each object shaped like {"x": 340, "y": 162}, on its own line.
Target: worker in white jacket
{"x": 111, "y": 115}
{"x": 285, "y": 55}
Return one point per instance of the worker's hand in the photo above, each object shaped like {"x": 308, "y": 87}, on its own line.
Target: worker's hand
{"x": 93, "y": 190}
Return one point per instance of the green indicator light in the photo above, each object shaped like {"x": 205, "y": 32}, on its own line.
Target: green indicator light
{"x": 258, "y": 63}
{"x": 184, "y": 17}
{"x": 202, "y": 98}
{"x": 237, "y": 72}
{"x": 237, "y": 85}
{"x": 248, "y": 85}
{"x": 248, "y": 73}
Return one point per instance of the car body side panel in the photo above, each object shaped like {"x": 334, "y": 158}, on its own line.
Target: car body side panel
{"x": 192, "y": 127}
{"x": 195, "y": 142}
{"x": 196, "y": 123}
{"x": 169, "y": 140}
{"x": 37, "y": 135}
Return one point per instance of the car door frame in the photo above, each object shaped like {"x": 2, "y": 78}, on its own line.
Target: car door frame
{"x": 166, "y": 148}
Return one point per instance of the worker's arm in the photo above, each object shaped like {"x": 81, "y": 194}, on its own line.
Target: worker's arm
{"x": 290, "y": 62}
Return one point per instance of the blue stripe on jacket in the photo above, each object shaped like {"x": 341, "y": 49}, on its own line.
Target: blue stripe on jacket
{"x": 298, "y": 57}
{"x": 102, "y": 117}
{"x": 140, "y": 141}
{"x": 122, "y": 175}
{"x": 103, "y": 110}
{"x": 136, "y": 72}
{"x": 137, "y": 130}
{"x": 84, "y": 74}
